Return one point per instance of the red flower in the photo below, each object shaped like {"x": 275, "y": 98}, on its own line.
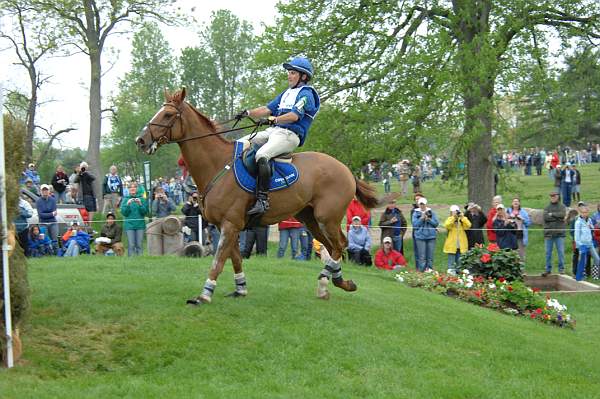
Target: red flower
{"x": 478, "y": 293}
{"x": 533, "y": 315}
{"x": 536, "y": 290}
{"x": 478, "y": 279}
{"x": 502, "y": 279}
{"x": 538, "y": 311}
{"x": 493, "y": 247}
{"x": 486, "y": 258}
{"x": 510, "y": 288}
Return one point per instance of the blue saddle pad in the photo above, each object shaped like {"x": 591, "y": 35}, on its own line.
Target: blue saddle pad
{"x": 283, "y": 176}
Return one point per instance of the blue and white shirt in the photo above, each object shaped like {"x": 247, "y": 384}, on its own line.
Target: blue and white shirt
{"x": 304, "y": 102}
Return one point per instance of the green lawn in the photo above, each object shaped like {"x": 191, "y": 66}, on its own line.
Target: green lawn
{"x": 116, "y": 327}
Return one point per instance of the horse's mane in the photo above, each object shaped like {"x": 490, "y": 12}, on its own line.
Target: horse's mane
{"x": 178, "y": 97}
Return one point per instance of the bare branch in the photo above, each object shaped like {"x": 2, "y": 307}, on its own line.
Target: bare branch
{"x": 52, "y": 138}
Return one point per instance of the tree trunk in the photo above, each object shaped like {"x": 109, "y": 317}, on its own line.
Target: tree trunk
{"x": 32, "y": 107}
{"x": 93, "y": 153}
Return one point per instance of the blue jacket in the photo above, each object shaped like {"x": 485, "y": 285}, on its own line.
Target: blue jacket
{"x": 35, "y": 243}
{"x": 45, "y": 207}
{"x": 526, "y": 223}
{"x": 25, "y": 212}
{"x": 424, "y": 229}
{"x": 30, "y": 174}
{"x": 359, "y": 238}
{"x": 304, "y": 102}
{"x": 583, "y": 232}
{"x": 83, "y": 240}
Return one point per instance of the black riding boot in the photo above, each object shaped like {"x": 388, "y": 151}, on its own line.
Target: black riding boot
{"x": 262, "y": 188}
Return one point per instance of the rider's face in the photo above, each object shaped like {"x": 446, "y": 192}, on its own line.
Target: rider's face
{"x": 293, "y": 78}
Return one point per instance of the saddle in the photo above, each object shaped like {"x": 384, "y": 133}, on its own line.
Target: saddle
{"x": 283, "y": 172}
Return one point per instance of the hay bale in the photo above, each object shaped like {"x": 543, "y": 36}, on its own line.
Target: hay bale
{"x": 171, "y": 225}
{"x": 154, "y": 238}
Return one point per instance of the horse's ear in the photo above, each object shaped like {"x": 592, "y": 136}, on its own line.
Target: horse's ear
{"x": 166, "y": 95}
{"x": 183, "y": 93}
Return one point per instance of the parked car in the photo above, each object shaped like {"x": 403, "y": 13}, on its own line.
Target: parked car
{"x": 66, "y": 214}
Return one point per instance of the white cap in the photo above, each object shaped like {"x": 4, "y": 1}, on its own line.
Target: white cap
{"x": 356, "y": 218}
{"x": 422, "y": 200}
{"x": 387, "y": 239}
{"x": 499, "y": 206}
{"x": 83, "y": 165}
{"x": 454, "y": 208}
{"x": 45, "y": 187}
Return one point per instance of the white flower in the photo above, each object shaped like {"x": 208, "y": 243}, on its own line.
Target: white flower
{"x": 399, "y": 278}
{"x": 492, "y": 286}
{"x": 469, "y": 284}
{"x": 465, "y": 271}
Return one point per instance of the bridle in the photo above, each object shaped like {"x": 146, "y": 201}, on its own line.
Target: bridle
{"x": 167, "y": 138}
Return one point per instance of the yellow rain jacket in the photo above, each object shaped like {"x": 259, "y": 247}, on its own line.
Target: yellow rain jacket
{"x": 457, "y": 237}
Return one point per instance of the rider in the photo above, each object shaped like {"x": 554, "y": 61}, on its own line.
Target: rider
{"x": 290, "y": 115}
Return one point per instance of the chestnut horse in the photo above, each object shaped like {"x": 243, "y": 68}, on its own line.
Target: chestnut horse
{"x": 318, "y": 199}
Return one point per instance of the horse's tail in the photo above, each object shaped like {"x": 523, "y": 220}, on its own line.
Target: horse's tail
{"x": 366, "y": 194}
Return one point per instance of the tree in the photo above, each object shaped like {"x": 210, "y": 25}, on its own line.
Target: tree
{"x": 31, "y": 42}
{"x": 90, "y": 23}
{"x": 216, "y": 72}
{"x": 140, "y": 96}
{"x": 434, "y": 65}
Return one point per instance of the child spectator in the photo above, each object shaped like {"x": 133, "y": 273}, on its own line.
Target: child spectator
{"x": 38, "y": 242}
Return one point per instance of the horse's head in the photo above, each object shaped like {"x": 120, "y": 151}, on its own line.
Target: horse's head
{"x": 166, "y": 125}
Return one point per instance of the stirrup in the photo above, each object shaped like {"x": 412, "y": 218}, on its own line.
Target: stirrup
{"x": 260, "y": 206}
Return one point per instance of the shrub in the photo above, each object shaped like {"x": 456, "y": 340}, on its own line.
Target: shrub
{"x": 492, "y": 262}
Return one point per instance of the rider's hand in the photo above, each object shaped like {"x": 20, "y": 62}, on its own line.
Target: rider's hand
{"x": 242, "y": 114}
{"x": 266, "y": 121}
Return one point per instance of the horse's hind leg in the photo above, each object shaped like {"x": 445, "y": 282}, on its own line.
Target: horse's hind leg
{"x": 239, "y": 277}
{"x": 333, "y": 267}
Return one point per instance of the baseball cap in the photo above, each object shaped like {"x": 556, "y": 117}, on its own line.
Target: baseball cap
{"x": 110, "y": 214}
{"x": 554, "y": 192}
{"x": 355, "y": 218}
{"x": 75, "y": 223}
{"x": 581, "y": 203}
{"x": 387, "y": 239}
{"x": 422, "y": 200}
{"x": 500, "y": 206}
{"x": 454, "y": 208}
{"x": 45, "y": 187}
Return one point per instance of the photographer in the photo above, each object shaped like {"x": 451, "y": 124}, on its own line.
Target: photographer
{"x": 134, "y": 208}
{"x": 523, "y": 221}
{"x": 456, "y": 241}
{"x": 425, "y": 223}
{"x": 505, "y": 228}
{"x": 191, "y": 210}
{"x": 86, "y": 185}
{"x": 162, "y": 206}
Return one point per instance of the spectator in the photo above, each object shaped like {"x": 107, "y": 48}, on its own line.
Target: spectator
{"x": 497, "y": 200}
{"x": 523, "y": 221}
{"x": 29, "y": 186}
{"x": 415, "y": 206}
{"x": 306, "y": 244}
{"x": 355, "y": 208}
{"x": 359, "y": 243}
{"x": 567, "y": 181}
{"x": 505, "y": 229}
{"x": 289, "y": 230}
{"x": 425, "y": 223}
{"x": 404, "y": 175}
{"x": 393, "y": 224}
{"x": 59, "y": 183}
{"x": 478, "y": 221}
{"x": 112, "y": 188}
{"x": 191, "y": 210}
{"x": 162, "y": 206}
{"x": 456, "y": 241}
{"x": 577, "y": 184}
{"x": 21, "y": 225}
{"x": 416, "y": 179}
{"x": 75, "y": 240}
{"x": 134, "y": 208}
{"x": 387, "y": 185}
{"x": 176, "y": 190}
{"x": 110, "y": 237}
{"x": 387, "y": 257}
{"x": 575, "y": 258}
{"x": 255, "y": 235}
{"x": 74, "y": 185}
{"x": 38, "y": 242}
{"x": 86, "y": 184}
{"x": 46, "y": 210}
{"x": 215, "y": 236}
{"x": 554, "y": 232}
{"x": 31, "y": 173}
{"x": 584, "y": 242}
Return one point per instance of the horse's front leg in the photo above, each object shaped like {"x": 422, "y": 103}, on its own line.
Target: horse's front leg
{"x": 225, "y": 248}
{"x": 239, "y": 277}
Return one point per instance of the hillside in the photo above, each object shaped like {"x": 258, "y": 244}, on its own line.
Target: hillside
{"x": 114, "y": 327}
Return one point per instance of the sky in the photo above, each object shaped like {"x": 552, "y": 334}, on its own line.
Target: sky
{"x": 65, "y": 97}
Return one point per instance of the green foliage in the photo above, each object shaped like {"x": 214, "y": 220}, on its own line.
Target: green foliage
{"x": 140, "y": 96}
{"x": 492, "y": 262}
{"x": 216, "y": 72}
{"x": 14, "y": 130}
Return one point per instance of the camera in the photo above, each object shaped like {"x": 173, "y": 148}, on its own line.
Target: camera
{"x": 82, "y": 170}
{"x": 429, "y": 214}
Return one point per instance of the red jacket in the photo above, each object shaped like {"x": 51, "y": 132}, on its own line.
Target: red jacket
{"x": 355, "y": 208}
{"x": 390, "y": 260}
{"x": 490, "y": 225}
{"x": 290, "y": 223}
{"x": 183, "y": 166}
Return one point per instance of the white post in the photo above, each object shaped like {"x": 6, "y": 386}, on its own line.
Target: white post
{"x": 5, "y": 246}
{"x": 200, "y": 240}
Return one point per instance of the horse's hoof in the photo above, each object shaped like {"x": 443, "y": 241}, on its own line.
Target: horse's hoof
{"x": 199, "y": 300}
{"x": 324, "y": 296}
{"x": 236, "y": 294}
{"x": 346, "y": 285}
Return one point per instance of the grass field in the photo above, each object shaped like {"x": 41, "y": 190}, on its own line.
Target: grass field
{"x": 107, "y": 327}
{"x": 116, "y": 327}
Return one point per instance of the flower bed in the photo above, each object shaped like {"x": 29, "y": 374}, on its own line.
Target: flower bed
{"x": 511, "y": 297}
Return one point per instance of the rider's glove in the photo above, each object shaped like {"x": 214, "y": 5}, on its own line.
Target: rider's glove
{"x": 266, "y": 121}
{"x": 242, "y": 114}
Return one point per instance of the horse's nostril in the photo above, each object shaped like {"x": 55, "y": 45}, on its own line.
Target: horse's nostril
{"x": 139, "y": 141}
